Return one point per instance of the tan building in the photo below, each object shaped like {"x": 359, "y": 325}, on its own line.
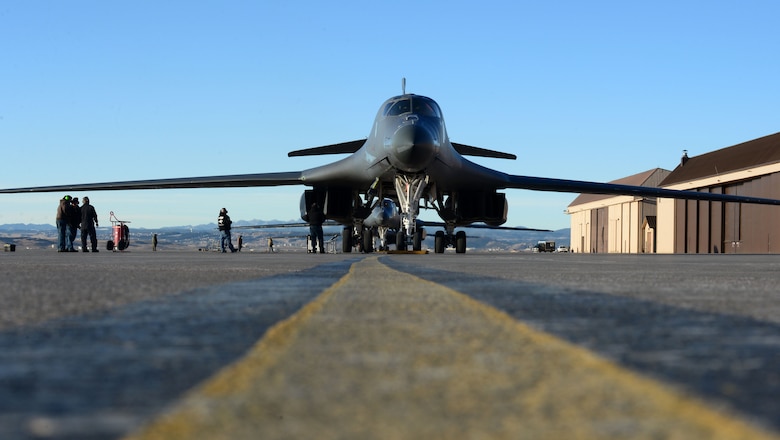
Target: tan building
{"x": 751, "y": 168}
{"x": 616, "y": 224}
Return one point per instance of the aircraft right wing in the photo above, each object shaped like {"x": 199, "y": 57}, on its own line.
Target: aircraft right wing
{"x": 235, "y": 181}
{"x": 484, "y": 226}
{"x": 342, "y": 148}
{"x": 579, "y": 186}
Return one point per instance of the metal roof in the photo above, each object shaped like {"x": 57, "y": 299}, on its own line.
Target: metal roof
{"x": 750, "y": 154}
{"x": 649, "y": 178}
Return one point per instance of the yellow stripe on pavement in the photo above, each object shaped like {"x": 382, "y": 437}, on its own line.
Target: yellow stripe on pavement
{"x": 382, "y": 354}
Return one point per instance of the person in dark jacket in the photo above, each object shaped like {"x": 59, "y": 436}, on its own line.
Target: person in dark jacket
{"x": 62, "y": 224}
{"x": 74, "y": 220}
{"x": 316, "y": 219}
{"x": 224, "y": 222}
{"x": 89, "y": 221}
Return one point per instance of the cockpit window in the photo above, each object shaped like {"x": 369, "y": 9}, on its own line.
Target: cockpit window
{"x": 424, "y": 107}
{"x": 399, "y": 108}
{"x": 417, "y": 105}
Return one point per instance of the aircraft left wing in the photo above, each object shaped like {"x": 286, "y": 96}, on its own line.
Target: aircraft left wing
{"x": 579, "y": 186}
{"x": 235, "y": 181}
{"x": 285, "y": 225}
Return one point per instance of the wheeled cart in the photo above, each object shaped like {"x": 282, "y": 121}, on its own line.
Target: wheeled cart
{"x": 121, "y": 234}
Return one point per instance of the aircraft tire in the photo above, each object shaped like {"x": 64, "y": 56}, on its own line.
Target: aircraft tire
{"x": 346, "y": 240}
{"x": 438, "y": 245}
{"x": 460, "y": 242}
{"x": 417, "y": 239}
{"x": 368, "y": 241}
{"x": 400, "y": 241}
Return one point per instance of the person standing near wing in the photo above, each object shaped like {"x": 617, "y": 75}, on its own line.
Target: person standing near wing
{"x": 62, "y": 224}
{"x": 224, "y": 222}
{"x": 74, "y": 220}
{"x": 89, "y": 221}
{"x": 316, "y": 219}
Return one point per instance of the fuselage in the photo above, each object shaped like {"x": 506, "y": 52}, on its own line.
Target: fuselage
{"x": 407, "y": 157}
{"x": 408, "y": 136}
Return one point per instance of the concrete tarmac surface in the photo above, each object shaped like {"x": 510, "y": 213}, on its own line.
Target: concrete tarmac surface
{"x": 292, "y": 345}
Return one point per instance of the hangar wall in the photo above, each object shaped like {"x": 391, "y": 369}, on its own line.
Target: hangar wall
{"x": 616, "y": 224}
{"x": 613, "y": 225}
{"x": 714, "y": 227}
{"x": 603, "y": 224}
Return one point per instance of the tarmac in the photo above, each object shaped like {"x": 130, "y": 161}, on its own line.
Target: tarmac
{"x": 189, "y": 345}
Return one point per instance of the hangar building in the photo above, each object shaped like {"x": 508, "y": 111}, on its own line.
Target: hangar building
{"x": 611, "y": 223}
{"x": 751, "y": 168}
{"x": 616, "y": 224}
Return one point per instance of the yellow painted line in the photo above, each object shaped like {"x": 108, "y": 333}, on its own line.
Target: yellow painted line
{"x": 383, "y": 354}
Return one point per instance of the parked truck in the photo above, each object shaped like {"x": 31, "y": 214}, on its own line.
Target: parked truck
{"x": 545, "y": 246}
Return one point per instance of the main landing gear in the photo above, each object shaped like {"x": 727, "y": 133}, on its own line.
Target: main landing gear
{"x": 443, "y": 240}
{"x": 401, "y": 243}
{"x": 364, "y": 240}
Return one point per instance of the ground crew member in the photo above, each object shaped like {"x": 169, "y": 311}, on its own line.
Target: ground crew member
{"x": 74, "y": 220}
{"x": 316, "y": 219}
{"x": 224, "y": 223}
{"x": 89, "y": 221}
{"x": 62, "y": 224}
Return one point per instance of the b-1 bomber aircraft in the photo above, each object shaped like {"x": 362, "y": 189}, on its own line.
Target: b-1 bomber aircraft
{"x": 407, "y": 158}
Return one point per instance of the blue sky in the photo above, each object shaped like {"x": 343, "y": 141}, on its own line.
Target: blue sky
{"x": 101, "y": 91}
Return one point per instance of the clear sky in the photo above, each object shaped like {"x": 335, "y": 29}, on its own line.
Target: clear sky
{"x": 101, "y": 91}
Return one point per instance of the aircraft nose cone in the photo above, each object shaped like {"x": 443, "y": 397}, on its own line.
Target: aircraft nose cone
{"x": 414, "y": 147}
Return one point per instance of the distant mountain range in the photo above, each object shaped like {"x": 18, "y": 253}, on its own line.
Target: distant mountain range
{"x": 205, "y": 236}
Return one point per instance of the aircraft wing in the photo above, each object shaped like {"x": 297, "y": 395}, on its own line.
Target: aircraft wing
{"x": 342, "y": 148}
{"x": 468, "y": 150}
{"x": 353, "y": 146}
{"x": 285, "y": 225}
{"x": 484, "y": 226}
{"x": 236, "y": 181}
{"x": 579, "y": 186}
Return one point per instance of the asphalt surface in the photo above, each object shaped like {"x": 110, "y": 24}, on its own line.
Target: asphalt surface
{"x": 208, "y": 345}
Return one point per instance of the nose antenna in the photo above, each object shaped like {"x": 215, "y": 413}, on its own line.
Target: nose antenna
{"x": 403, "y": 86}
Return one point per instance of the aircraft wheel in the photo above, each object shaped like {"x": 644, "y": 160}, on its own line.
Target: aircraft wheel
{"x": 400, "y": 241}
{"x": 417, "y": 239}
{"x": 346, "y": 240}
{"x": 460, "y": 242}
{"x": 368, "y": 241}
{"x": 438, "y": 245}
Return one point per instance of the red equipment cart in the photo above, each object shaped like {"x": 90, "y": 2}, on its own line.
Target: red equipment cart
{"x": 121, "y": 234}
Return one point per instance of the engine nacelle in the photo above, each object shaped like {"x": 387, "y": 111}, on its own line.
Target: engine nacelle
{"x": 336, "y": 203}
{"x": 481, "y": 206}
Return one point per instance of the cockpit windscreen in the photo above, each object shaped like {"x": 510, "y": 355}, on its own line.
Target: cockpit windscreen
{"x": 417, "y": 105}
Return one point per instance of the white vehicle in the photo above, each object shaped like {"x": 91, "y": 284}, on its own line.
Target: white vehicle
{"x": 562, "y": 249}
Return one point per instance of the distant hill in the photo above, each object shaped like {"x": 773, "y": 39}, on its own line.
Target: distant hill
{"x": 205, "y": 236}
